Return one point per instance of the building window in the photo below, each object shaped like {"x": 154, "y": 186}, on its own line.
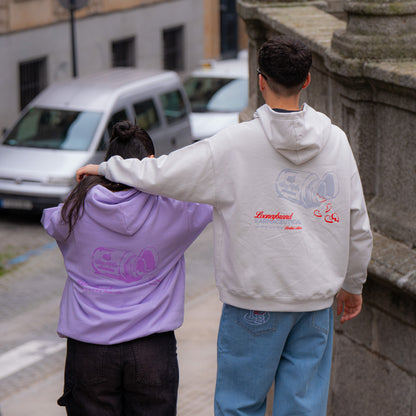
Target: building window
{"x": 32, "y": 78}
{"x": 123, "y": 52}
{"x": 229, "y": 29}
{"x": 173, "y": 48}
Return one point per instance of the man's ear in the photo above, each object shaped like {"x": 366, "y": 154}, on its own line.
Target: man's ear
{"x": 307, "y": 81}
{"x": 262, "y": 82}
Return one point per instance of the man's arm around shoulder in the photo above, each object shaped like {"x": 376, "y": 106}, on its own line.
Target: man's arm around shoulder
{"x": 186, "y": 174}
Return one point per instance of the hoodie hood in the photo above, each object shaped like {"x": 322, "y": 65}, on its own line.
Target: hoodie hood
{"x": 298, "y": 136}
{"x": 121, "y": 212}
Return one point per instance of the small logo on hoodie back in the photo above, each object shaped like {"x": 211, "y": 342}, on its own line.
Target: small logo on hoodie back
{"x": 277, "y": 220}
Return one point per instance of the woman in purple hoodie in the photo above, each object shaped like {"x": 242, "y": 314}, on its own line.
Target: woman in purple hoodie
{"x": 124, "y": 296}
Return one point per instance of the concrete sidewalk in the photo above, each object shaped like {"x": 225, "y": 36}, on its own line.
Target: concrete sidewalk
{"x": 197, "y": 366}
{"x": 197, "y": 351}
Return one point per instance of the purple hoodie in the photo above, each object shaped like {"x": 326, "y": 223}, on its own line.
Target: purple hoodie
{"x": 125, "y": 264}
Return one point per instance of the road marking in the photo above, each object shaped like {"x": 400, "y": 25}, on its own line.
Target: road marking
{"x": 26, "y": 256}
{"x": 27, "y": 354}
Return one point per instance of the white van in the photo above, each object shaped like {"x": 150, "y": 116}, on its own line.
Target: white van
{"x": 68, "y": 125}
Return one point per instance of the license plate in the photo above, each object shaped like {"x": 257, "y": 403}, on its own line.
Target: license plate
{"x": 11, "y": 203}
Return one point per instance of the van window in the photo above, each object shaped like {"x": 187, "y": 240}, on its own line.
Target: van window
{"x": 173, "y": 106}
{"x": 54, "y": 129}
{"x": 146, "y": 115}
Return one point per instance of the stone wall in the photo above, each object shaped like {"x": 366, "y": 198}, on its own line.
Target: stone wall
{"x": 374, "y": 366}
{"x": 370, "y": 92}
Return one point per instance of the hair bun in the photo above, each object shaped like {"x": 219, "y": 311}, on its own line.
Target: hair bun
{"x": 123, "y": 130}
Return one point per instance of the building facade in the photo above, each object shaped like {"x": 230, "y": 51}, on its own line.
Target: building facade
{"x": 37, "y": 49}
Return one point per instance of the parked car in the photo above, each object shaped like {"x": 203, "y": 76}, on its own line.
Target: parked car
{"x": 68, "y": 125}
{"x": 218, "y": 92}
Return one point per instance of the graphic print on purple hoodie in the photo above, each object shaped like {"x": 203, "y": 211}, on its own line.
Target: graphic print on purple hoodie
{"x": 125, "y": 264}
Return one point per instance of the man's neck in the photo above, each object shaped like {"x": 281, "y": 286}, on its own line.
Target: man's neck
{"x": 284, "y": 103}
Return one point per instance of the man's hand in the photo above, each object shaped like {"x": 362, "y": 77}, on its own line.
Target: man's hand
{"x": 348, "y": 305}
{"x": 87, "y": 170}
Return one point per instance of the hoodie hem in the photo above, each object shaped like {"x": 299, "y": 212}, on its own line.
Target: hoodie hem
{"x": 276, "y": 304}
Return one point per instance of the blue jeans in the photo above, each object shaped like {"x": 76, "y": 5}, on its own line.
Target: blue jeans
{"x": 255, "y": 349}
{"x": 135, "y": 378}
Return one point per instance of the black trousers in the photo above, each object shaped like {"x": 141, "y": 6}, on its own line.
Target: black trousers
{"x": 135, "y": 378}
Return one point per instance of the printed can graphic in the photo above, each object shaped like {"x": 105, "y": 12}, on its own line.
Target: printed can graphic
{"x": 306, "y": 188}
{"x": 124, "y": 264}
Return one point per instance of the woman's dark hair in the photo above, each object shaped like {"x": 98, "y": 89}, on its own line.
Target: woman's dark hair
{"x": 285, "y": 61}
{"x": 128, "y": 141}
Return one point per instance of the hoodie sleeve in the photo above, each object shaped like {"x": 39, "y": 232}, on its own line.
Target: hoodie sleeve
{"x": 361, "y": 239}
{"x": 186, "y": 174}
{"x": 53, "y": 223}
{"x": 200, "y": 215}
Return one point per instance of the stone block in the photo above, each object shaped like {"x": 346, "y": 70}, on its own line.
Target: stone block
{"x": 395, "y": 340}
{"x": 391, "y": 300}
{"x": 366, "y": 384}
{"x": 359, "y": 329}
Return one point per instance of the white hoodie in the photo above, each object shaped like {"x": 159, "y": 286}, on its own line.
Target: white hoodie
{"x": 290, "y": 222}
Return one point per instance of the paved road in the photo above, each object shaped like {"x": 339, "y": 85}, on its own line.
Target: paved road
{"x": 20, "y": 233}
{"x": 32, "y": 355}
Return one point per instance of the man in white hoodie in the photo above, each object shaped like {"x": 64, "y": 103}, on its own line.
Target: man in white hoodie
{"x": 291, "y": 232}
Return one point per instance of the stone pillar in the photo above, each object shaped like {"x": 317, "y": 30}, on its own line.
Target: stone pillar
{"x": 256, "y": 32}
{"x": 256, "y": 38}
{"x": 378, "y": 29}
{"x": 377, "y": 49}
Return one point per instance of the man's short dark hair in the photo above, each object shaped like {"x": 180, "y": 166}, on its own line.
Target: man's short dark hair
{"x": 286, "y": 61}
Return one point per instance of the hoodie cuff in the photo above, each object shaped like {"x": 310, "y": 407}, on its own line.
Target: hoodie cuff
{"x": 102, "y": 168}
{"x": 355, "y": 288}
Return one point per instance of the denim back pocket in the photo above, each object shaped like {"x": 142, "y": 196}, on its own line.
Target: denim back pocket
{"x": 321, "y": 320}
